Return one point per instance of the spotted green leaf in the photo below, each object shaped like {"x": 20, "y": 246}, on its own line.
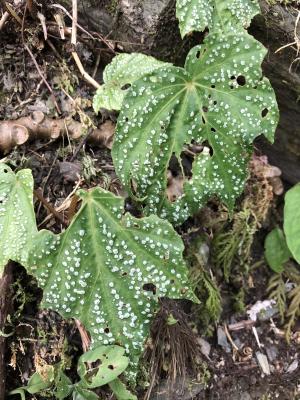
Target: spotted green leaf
{"x": 222, "y": 15}
{"x": 108, "y": 269}
{"x": 17, "y": 219}
{"x": 292, "y": 221}
{"x": 119, "y": 75}
{"x": 276, "y": 250}
{"x": 219, "y": 99}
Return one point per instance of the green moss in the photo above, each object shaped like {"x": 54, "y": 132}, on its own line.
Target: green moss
{"x": 112, "y": 7}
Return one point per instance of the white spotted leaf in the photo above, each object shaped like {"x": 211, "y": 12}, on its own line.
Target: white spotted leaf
{"x": 17, "y": 219}
{"x": 119, "y": 75}
{"x": 219, "y": 100}
{"x": 108, "y": 270}
{"x": 217, "y": 15}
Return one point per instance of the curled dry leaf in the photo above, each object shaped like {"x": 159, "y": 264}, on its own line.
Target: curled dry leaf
{"x": 37, "y": 125}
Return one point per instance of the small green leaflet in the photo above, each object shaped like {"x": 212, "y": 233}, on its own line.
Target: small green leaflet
{"x": 222, "y": 15}
{"x": 17, "y": 219}
{"x": 219, "y": 98}
{"x": 108, "y": 270}
{"x": 292, "y": 221}
{"x": 112, "y": 363}
{"x": 276, "y": 250}
{"x": 119, "y": 75}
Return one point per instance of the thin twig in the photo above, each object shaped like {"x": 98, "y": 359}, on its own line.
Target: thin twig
{"x": 246, "y": 324}
{"x": 96, "y": 65}
{"x": 85, "y": 75}
{"x": 13, "y": 13}
{"x": 49, "y": 207}
{"x": 84, "y": 336}
{"x": 42, "y": 76}
{"x": 230, "y": 338}
{"x": 70, "y": 16}
{"x": 42, "y": 19}
{"x": 35, "y": 62}
{"x": 74, "y": 23}
{"x": 3, "y": 19}
{"x": 296, "y": 38}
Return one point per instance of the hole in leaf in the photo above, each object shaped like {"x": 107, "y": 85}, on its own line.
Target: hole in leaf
{"x": 106, "y": 330}
{"x": 215, "y": 102}
{"x": 111, "y": 367}
{"x": 206, "y": 144}
{"x": 264, "y": 112}
{"x": 212, "y": 86}
{"x": 203, "y": 120}
{"x": 232, "y": 77}
{"x": 5, "y": 170}
{"x": 126, "y": 86}
{"x": 124, "y": 273}
{"x": 213, "y": 129}
{"x": 126, "y": 119}
{"x": 198, "y": 54}
{"x": 241, "y": 80}
{"x": 149, "y": 287}
{"x": 204, "y": 109}
{"x": 174, "y": 186}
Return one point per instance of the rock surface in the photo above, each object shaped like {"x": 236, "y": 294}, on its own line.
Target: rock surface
{"x": 276, "y": 28}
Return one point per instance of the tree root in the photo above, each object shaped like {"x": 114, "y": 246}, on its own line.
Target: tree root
{"x": 38, "y": 126}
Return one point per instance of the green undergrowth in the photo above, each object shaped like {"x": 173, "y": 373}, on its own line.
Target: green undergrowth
{"x": 282, "y": 253}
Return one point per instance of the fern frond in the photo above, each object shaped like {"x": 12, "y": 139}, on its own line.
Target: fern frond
{"x": 277, "y": 291}
{"x": 213, "y": 302}
{"x": 293, "y": 311}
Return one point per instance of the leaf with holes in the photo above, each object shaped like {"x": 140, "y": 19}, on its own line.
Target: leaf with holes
{"x": 119, "y": 75}
{"x": 108, "y": 269}
{"x": 222, "y": 15}
{"x": 112, "y": 363}
{"x": 219, "y": 99}
{"x": 17, "y": 219}
{"x": 292, "y": 221}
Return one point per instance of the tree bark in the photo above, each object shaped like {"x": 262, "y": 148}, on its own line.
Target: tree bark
{"x": 5, "y": 309}
{"x": 276, "y": 28}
